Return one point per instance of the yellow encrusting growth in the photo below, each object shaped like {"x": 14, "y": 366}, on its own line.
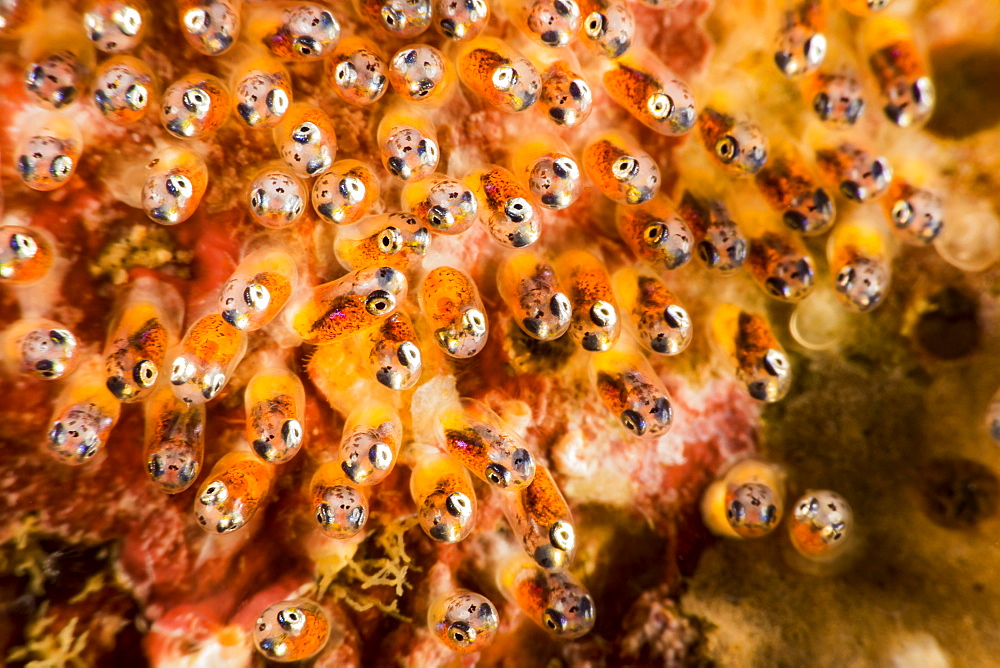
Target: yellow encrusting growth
{"x": 44, "y": 649}
{"x": 347, "y": 578}
{"x": 148, "y": 246}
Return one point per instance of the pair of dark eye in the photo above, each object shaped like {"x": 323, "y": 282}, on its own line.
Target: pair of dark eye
{"x": 821, "y": 206}
{"x": 59, "y": 167}
{"x": 737, "y": 512}
{"x": 636, "y": 423}
{"x": 710, "y": 255}
{"x": 879, "y": 174}
{"x": 158, "y": 467}
{"x": 823, "y": 106}
{"x": 781, "y": 288}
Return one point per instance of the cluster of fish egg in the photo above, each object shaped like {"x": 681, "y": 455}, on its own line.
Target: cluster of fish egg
{"x": 617, "y": 320}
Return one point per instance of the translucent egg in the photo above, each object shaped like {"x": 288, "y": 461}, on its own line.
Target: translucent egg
{"x": 48, "y": 151}
{"x": 293, "y": 630}
{"x": 115, "y": 26}
{"x": 276, "y": 197}
{"x": 194, "y": 106}
{"x": 123, "y": 89}
{"x": 463, "y": 621}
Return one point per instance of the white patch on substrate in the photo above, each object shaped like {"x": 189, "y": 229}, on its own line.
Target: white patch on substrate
{"x": 917, "y": 650}
{"x": 427, "y": 401}
{"x": 213, "y": 653}
{"x": 613, "y": 469}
